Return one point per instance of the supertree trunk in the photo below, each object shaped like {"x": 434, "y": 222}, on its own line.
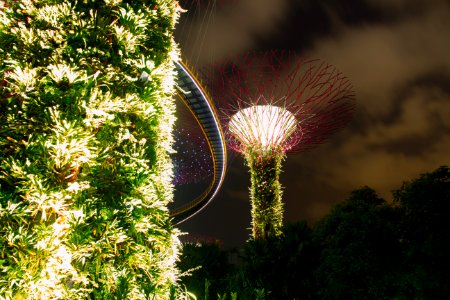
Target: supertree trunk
{"x": 265, "y": 194}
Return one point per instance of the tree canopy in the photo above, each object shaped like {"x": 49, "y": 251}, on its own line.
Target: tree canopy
{"x": 365, "y": 248}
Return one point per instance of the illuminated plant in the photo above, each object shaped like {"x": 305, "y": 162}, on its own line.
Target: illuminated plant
{"x": 275, "y": 103}
{"x": 86, "y": 117}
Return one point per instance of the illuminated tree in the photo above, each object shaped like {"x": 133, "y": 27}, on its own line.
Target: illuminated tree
{"x": 85, "y": 129}
{"x": 274, "y": 103}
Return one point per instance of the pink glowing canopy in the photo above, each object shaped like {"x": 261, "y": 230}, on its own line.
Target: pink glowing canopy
{"x": 315, "y": 93}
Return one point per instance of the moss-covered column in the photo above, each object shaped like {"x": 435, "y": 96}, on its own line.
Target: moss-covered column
{"x": 265, "y": 194}
{"x": 86, "y": 118}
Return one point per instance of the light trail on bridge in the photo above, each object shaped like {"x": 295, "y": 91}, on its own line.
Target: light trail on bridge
{"x": 201, "y": 106}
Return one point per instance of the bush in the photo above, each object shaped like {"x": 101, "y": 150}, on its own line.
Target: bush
{"x": 85, "y": 130}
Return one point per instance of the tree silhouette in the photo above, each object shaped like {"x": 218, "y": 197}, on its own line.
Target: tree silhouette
{"x": 425, "y": 207}
{"x": 359, "y": 249}
{"x": 208, "y": 266}
{"x": 365, "y": 248}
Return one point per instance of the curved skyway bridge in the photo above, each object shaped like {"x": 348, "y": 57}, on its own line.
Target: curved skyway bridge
{"x": 201, "y": 106}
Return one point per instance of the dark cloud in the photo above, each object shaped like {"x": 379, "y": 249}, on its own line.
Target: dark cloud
{"x": 401, "y": 76}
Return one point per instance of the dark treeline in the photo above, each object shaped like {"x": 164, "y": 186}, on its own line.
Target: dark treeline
{"x": 365, "y": 248}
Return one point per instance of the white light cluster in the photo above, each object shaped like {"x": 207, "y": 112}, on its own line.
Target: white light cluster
{"x": 263, "y": 127}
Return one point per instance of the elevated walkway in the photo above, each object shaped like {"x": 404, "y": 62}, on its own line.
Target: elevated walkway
{"x": 197, "y": 100}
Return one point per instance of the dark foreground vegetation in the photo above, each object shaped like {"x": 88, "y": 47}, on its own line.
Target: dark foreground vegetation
{"x": 365, "y": 248}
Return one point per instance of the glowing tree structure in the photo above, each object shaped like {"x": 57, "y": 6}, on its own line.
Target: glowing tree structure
{"x": 276, "y": 103}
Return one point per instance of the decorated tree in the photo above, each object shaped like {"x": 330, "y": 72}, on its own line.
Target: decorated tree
{"x": 274, "y": 103}
{"x": 85, "y": 134}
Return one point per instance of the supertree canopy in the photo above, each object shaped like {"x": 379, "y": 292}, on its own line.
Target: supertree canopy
{"x": 274, "y": 103}
{"x": 262, "y": 128}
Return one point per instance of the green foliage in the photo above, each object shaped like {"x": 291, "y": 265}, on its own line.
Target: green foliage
{"x": 207, "y": 266}
{"x": 265, "y": 194}
{"x": 85, "y": 133}
{"x": 360, "y": 250}
{"x": 274, "y": 268}
{"x": 425, "y": 206}
{"x": 280, "y": 267}
{"x": 365, "y": 248}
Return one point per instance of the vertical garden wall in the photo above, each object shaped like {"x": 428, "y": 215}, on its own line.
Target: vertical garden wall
{"x": 85, "y": 134}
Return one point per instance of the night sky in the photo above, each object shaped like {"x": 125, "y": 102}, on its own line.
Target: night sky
{"x": 397, "y": 55}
